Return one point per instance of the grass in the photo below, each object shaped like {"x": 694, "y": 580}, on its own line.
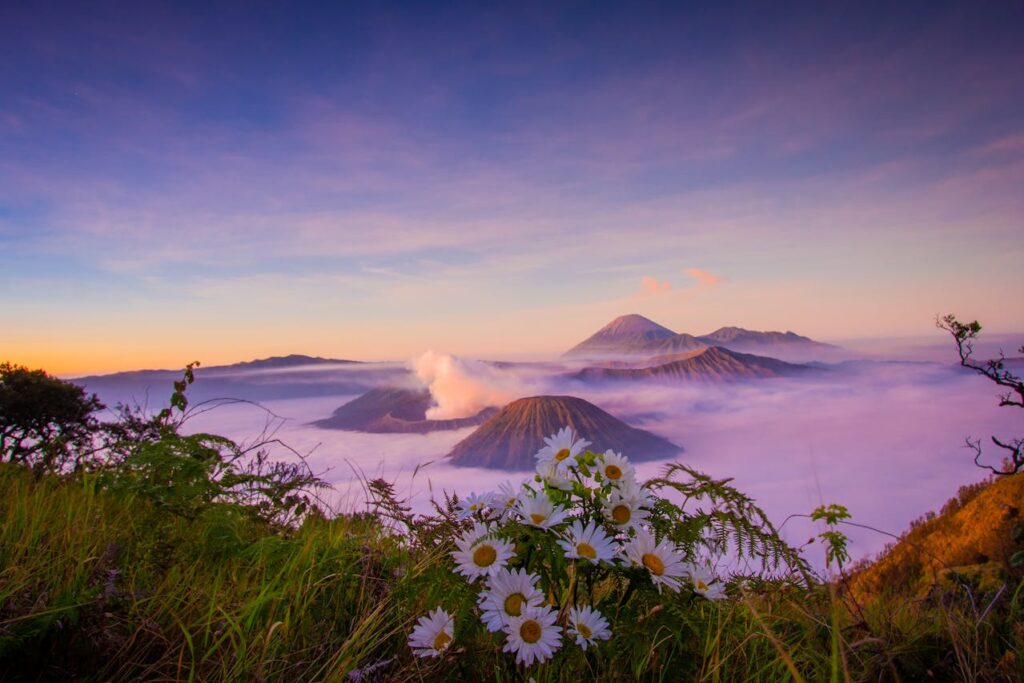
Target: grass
{"x": 112, "y": 588}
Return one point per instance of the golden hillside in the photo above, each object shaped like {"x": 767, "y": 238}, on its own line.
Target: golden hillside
{"x": 972, "y": 530}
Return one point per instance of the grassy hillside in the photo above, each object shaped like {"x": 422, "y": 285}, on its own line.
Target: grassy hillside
{"x": 101, "y": 587}
{"x": 970, "y": 537}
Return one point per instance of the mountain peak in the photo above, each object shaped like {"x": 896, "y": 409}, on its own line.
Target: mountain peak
{"x": 633, "y": 334}
{"x": 634, "y": 323}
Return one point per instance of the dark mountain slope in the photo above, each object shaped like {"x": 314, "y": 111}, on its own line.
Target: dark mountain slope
{"x": 395, "y": 410}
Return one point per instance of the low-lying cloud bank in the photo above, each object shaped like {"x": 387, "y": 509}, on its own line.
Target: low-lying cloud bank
{"x": 884, "y": 439}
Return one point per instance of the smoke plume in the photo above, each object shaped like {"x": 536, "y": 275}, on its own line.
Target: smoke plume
{"x": 462, "y": 387}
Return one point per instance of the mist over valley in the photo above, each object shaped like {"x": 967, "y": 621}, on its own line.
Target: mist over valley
{"x": 883, "y": 437}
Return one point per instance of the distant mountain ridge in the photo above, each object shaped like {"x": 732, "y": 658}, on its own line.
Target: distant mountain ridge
{"x": 391, "y": 410}
{"x": 289, "y": 361}
{"x": 263, "y": 379}
{"x": 511, "y": 439}
{"x": 714, "y": 364}
{"x": 293, "y": 360}
{"x": 739, "y": 339}
{"x": 635, "y": 335}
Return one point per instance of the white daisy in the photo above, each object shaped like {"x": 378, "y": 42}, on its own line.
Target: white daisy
{"x": 561, "y": 449}
{"x": 509, "y": 592}
{"x": 587, "y": 543}
{"x": 503, "y": 501}
{"x": 540, "y": 512}
{"x": 662, "y": 560}
{"x": 432, "y": 634}
{"x": 588, "y": 626}
{"x": 624, "y": 508}
{"x": 533, "y": 635}
{"x": 471, "y": 505}
{"x": 478, "y": 555}
{"x": 555, "y": 477}
{"x": 632, "y": 488}
{"x": 615, "y": 468}
{"x": 705, "y": 584}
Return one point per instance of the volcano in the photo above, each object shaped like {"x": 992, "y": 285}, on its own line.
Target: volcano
{"x": 510, "y": 439}
{"x": 714, "y": 365}
{"x": 391, "y": 410}
{"x": 634, "y": 335}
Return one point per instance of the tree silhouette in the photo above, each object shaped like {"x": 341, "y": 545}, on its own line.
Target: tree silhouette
{"x": 964, "y": 335}
{"x": 45, "y": 422}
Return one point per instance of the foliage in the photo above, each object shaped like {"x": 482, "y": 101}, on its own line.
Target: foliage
{"x": 138, "y": 593}
{"x": 965, "y": 334}
{"x": 51, "y": 426}
{"x": 580, "y": 548}
{"x": 725, "y": 519}
{"x": 835, "y": 541}
{"x": 45, "y": 423}
{"x": 186, "y": 474}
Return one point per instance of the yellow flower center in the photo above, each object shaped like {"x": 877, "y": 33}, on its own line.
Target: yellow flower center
{"x": 562, "y": 454}
{"x": 701, "y": 586}
{"x": 510, "y": 502}
{"x": 514, "y": 604}
{"x": 654, "y": 564}
{"x": 538, "y": 519}
{"x": 485, "y": 555}
{"x": 441, "y": 641}
{"x": 530, "y": 631}
{"x": 621, "y": 514}
{"x": 586, "y": 550}
{"x": 612, "y": 472}
{"x": 584, "y": 630}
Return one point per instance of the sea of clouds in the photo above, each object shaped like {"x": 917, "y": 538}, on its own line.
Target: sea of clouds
{"x": 885, "y": 439}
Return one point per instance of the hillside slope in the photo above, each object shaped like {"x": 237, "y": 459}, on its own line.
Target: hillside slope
{"x": 388, "y": 410}
{"x": 971, "y": 531}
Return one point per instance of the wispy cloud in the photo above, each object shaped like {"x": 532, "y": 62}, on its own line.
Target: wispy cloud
{"x": 1008, "y": 144}
{"x": 651, "y": 285}
{"x": 703, "y": 277}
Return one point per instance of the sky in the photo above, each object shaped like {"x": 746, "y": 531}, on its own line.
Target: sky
{"x": 224, "y": 181}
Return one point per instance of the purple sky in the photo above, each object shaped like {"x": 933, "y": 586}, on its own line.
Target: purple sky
{"x": 224, "y": 181}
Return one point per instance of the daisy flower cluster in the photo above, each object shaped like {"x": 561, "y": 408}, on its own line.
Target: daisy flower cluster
{"x": 583, "y": 515}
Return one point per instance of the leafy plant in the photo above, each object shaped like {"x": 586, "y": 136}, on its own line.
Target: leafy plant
{"x": 186, "y": 474}
{"x": 836, "y": 541}
{"x": 585, "y": 549}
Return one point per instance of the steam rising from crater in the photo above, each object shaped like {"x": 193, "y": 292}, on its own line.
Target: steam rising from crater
{"x": 462, "y": 387}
